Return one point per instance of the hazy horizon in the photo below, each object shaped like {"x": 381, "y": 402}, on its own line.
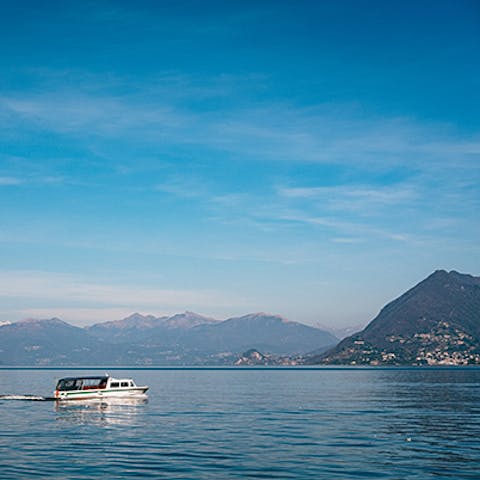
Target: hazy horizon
{"x": 309, "y": 159}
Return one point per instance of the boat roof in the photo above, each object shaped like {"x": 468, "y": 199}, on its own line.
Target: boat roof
{"x": 85, "y": 378}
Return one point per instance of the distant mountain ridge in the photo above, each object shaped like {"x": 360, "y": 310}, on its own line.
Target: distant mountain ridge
{"x": 48, "y": 342}
{"x": 138, "y": 327}
{"x": 181, "y": 339}
{"x": 265, "y": 332}
{"x": 436, "y": 322}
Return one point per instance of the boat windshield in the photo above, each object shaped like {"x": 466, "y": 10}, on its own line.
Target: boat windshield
{"x": 81, "y": 383}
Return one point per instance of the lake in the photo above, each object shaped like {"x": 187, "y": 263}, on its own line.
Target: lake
{"x": 248, "y": 423}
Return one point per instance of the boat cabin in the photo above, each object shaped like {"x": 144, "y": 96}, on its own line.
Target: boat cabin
{"x": 82, "y": 383}
{"x": 77, "y": 388}
{"x": 93, "y": 383}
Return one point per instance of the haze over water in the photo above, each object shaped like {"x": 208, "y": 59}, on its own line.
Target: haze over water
{"x": 235, "y": 423}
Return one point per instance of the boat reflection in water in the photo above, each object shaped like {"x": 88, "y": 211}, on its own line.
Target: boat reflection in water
{"x": 102, "y": 412}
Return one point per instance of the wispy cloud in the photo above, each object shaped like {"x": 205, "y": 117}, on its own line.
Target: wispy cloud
{"x": 183, "y": 186}
{"x": 32, "y": 179}
{"x": 347, "y": 240}
{"x": 77, "y": 114}
{"x": 10, "y": 181}
{"x": 439, "y": 167}
{"x": 366, "y": 198}
{"x": 354, "y": 228}
{"x": 75, "y": 298}
{"x": 168, "y": 111}
{"x": 353, "y": 213}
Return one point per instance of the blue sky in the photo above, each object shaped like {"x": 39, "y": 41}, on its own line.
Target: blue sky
{"x": 313, "y": 159}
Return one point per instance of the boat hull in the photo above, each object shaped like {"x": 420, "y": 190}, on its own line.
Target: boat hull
{"x": 125, "y": 392}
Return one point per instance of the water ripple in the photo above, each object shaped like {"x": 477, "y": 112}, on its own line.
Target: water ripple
{"x": 386, "y": 424}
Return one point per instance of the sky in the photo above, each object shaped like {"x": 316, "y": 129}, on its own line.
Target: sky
{"x": 313, "y": 159}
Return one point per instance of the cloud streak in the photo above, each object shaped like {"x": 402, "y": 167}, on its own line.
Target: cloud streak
{"x": 58, "y": 291}
{"x": 10, "y": 181}
{"x": 355, "y": 197}
{"x": 157, "y": 114}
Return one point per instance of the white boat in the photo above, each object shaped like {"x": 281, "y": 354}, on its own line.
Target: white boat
{"x": 89, "y": 388}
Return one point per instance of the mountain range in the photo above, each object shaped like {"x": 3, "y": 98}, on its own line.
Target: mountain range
{"x": 437, "y": 322}
{"x": 182, "y": 339}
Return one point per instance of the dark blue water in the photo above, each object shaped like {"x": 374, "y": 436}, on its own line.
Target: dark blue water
{"x": 222, "y": 424}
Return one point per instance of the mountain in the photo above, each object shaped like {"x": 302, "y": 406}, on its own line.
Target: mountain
{"x": 188, "y": 320}
{"x": 182, "y": 339}
{"x": 342, "y": 332}
{"x": 265, "y": 332}
{"x": 141, "y": 328}
{"x": 436, "y": 322}
{"x": 48, "y": 342}
{"x": 190, "y": 332}
{"x": 253, "y": 357}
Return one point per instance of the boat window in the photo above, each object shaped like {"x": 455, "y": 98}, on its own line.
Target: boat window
{"x": 69, "y": 384}
{"x": 124, "y": 384}
{"x": 114, "y": 385}
{"x": 131, "y": 384}
{"x": 80, "y": 383}
{"x": 91, "y": 383}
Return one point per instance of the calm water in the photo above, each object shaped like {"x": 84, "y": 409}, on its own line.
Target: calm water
{"x": 221, "y": 424}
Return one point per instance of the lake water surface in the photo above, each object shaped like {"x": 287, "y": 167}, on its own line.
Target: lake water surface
{"x": 246, "y": 423}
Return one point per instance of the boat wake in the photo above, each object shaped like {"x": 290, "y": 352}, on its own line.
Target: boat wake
{"x": 35, "y": 398}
